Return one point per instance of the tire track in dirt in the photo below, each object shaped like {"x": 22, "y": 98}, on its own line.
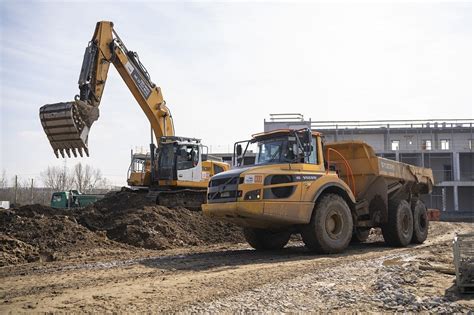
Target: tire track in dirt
{"x": 173, "y": 282}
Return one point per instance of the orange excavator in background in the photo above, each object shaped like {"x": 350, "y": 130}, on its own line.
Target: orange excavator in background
{"x": 177, "y": 170}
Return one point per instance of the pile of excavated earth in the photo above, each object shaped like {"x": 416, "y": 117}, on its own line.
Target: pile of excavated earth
{"x": 121, "y": 222}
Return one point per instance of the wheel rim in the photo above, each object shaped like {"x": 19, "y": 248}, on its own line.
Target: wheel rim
{"x": 334, "y": 224}
{"x": 405, "y": 224}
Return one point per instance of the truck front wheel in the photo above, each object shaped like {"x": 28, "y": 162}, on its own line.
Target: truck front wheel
{"x": 330, "y": 229}
{"x": 398, "y": 231}
{"x": 261, "y": 239}
{"x": 420, "y": 223}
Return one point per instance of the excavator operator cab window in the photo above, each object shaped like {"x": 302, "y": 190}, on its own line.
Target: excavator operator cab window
{"x": 138, "y": 165}
{"x": 217, "y": 169}
{"x": 188, "y": 157}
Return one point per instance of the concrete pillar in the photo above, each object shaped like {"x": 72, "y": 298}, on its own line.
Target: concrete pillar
{"x": 456, "y": 198}
{"x": 456, "y": 167}
{"x": 456, "y": 178}
{"x": 443, "y": 198}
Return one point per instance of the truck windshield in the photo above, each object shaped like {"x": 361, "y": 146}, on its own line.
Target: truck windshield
{"x": 278, "y": 150}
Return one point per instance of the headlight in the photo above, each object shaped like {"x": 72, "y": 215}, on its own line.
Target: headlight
{"x": 253, "y": 179}
{"x": 253, "y": 195}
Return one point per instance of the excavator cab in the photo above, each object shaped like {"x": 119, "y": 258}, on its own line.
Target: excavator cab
{"x": 139, "y": 170}
{"x": 179, "y": 161}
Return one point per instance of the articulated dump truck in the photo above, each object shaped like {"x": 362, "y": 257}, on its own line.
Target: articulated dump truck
{"x": 329, "y": 193}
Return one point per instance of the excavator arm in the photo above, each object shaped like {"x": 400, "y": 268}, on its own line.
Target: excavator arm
{"x": 67, "y": 124}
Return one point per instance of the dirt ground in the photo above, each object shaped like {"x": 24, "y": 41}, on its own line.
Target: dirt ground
{"x": 124, "y": 223}
{"x": 230, "y": 277}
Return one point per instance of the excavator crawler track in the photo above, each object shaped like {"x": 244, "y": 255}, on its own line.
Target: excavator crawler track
{"x": 191, "y": 199}
{"x": 66, "y": 130}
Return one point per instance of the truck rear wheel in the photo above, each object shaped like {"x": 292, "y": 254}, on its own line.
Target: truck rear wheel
{"x": 330, "y": 229}
{"x": 420, "y": 223}
{"x": 261, "y": 239}
{"x": 398, "y": 231}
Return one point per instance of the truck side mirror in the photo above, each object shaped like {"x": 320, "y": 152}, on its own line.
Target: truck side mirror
{"x": 239, "y": 150}
{"x": 203, "y": 157}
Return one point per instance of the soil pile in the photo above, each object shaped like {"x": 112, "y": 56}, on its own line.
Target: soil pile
{"x": 132, "y": 219}
{"x": 39, "y": 233}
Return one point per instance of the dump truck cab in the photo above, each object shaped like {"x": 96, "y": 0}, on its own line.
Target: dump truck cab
{"x": 329, "y": 193}
{"x": 280, "y": 189}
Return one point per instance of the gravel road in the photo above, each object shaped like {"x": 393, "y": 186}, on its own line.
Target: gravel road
{"x": 234, "y": 278}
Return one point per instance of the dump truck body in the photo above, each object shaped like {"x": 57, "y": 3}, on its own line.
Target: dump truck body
{"x": 367, "y": 167}
{"x": 278, "y": 196}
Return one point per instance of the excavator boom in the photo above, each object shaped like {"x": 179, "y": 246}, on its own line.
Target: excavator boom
{"x": 67, "y": 124}
{"x": 175, "y": 172}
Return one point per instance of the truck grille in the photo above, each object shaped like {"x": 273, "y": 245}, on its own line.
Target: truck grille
{"x": 223, "y": 190}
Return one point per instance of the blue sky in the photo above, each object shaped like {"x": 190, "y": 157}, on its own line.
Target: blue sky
{"x": 223, "y": 67}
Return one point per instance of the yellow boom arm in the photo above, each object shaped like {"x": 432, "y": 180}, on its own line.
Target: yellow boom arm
{"x": 67, "y": 124}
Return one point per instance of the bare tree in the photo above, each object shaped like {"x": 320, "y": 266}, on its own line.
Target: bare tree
{"x": 3, "y": 179}
{"x": 86, "y": 178}
{"x": 57, "y": 178}
{"x": 81, "y": 176}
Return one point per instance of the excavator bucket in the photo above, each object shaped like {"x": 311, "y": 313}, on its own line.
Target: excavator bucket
{"x": 66, "y": 127}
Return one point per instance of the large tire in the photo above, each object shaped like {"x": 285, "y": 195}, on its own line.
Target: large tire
{"x": 398, "y": 231}
{"x": 330, "y": 228}
{"x": 420, "y": 223}
{"x": 360, "y": 235}
{"x": 261, "y": 239}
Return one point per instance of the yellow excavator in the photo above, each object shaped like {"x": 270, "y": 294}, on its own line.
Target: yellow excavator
{"x": 176, "y": 171}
